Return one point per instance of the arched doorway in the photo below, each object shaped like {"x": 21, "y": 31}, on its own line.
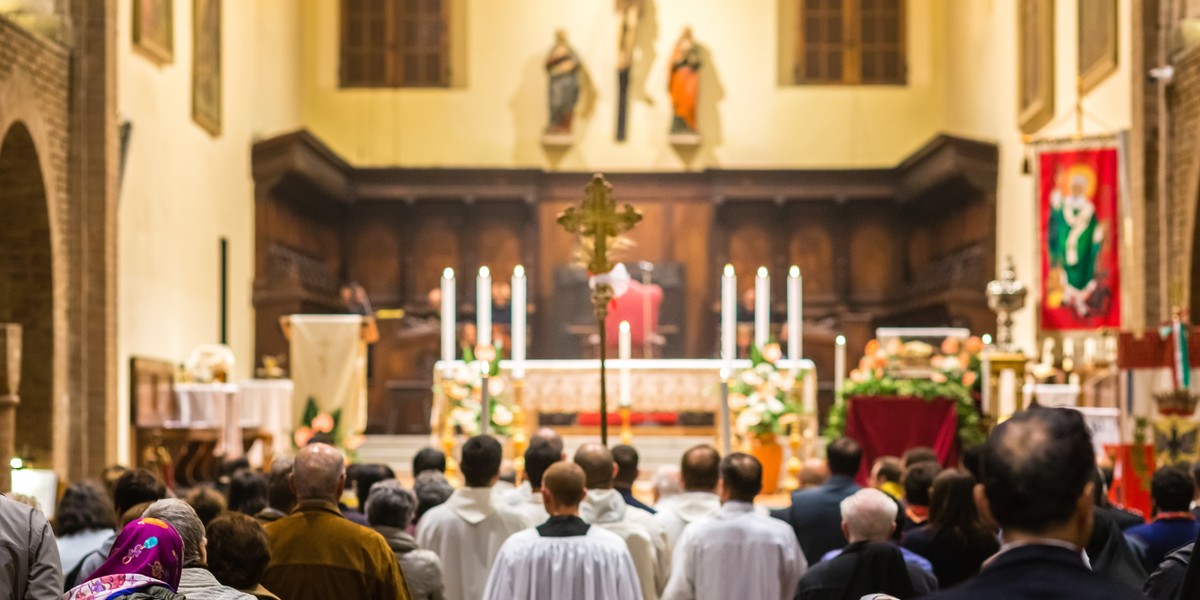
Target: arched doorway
{"x": 26, "y": 288}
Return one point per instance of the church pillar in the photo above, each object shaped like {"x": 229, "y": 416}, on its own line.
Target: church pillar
{"x": 10, "y": 381}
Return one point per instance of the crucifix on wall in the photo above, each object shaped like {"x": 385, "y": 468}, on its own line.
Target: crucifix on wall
{"x": 630, "y": 13}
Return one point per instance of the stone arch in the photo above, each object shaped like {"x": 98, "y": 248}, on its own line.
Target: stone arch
{"x": 27, "y": 287}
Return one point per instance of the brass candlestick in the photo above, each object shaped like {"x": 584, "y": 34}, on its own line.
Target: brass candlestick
{"x": 626, "y": 429}
{"x": 792, "y": 482}
{"x": 449, "y": 439}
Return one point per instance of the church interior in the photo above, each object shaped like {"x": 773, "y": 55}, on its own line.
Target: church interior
{"x": 917, "y": 206}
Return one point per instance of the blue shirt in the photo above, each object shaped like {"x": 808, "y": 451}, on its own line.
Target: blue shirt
{"x": 1162, "y": 537}
{"x": 910, "y": 557}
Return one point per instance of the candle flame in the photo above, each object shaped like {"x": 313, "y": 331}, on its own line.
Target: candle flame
{"x": 794, "y": 272}
{"x": 484, "y": 272}
{"x": 519, "y": 271}
{"x": 624, "y": 326}
{"x": 762, "y": 272}
{"x": 841, "y": 340}
{"x": 448, "y": 273}
{"x": 987, "y": 339}
{"x": 729, "y": 270}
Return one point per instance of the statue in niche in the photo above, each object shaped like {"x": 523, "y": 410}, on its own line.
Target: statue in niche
{"x": 562, "y": 68}
{"x": 684, "y": 83}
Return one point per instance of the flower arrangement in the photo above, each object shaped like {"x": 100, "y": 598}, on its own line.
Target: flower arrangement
{"x": 951, "y": 374}
{"x": 464, "y": 390}
{"x": 760, "y": 396}
{"x": 319, "y": 426}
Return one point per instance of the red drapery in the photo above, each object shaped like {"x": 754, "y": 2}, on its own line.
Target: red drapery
{"x": 887, "y": 426}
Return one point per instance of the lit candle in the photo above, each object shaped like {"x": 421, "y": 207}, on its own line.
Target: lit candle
{"x": 485, "y": 401}
{"x": 728, "y": 318}
{"x": 762, "y": 308}
{"x": 1089, "y": 351}
{"x": 1048, "y": 351}
{"x": 449, "y": 343}
{"x": 795, "y": 316}
{"x": 483, "y": 307}
{"x": 520, "y": 309}
{"x": 1110, "y": 348}
{"x": 625, "y": 353}
{"x": 1068, "y": 359}
{"x": 1007, "y": 390}
{"x": 839, "y": 365}
{"x": 987, "y": 339}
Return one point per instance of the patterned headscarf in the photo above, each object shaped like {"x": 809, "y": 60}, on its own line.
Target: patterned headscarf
{"x": 147, "y": 552}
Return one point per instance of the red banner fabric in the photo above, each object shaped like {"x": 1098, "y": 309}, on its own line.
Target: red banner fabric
{"x": 887, "y": 426}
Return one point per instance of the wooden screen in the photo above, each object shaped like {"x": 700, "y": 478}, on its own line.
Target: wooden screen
{"x": 1097, "y": 41}
{"x": 394, "y": 43}
{"x": 851, "y": 42}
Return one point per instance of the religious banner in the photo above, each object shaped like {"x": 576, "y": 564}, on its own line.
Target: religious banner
{"x": 1077, "y": 192}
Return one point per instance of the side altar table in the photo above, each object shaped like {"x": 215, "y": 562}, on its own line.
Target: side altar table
{"x": 887, "y": 426}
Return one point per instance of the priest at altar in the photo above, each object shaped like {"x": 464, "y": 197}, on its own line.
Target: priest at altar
{"x": 563, "y": 557}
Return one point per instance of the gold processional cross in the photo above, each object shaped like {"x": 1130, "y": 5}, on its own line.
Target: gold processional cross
{"x": 598, "y": 222}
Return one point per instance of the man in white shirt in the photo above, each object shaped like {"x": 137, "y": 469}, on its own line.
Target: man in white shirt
{"x": 700, "y": 470}
{"x": 761, "y": 551}
{"x": 469, "y": 528}
{"x": 564, "y": 557}
{"x": 605, "y": 507}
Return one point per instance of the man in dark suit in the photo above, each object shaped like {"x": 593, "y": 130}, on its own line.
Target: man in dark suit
{"x": 815, "y": 514}
{"x": 626, "y": 458}
{"x": 1037, "y": 485}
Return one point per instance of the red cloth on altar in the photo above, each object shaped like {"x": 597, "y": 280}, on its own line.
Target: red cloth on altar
{"x": 887, "y": 426}
{"x": 637, "y": 418}
{"x": 632, "y": 307}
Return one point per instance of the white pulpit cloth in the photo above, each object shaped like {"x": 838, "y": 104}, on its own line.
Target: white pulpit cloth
{"x": 328, "y": 363}
{"x": 212, "y": 406}
{"x": 267, "y": 405}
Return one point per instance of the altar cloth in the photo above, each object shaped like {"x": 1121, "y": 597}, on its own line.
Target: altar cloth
{"x": 887, "y": 426}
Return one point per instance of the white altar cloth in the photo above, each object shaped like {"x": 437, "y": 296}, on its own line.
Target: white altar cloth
{"x": 209, "y": 406}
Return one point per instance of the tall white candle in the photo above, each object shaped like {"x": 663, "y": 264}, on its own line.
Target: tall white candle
{"x": 483, "y": 307}
{"x": 1089, "y": 351}
{"x": 449, "y": 343}
{"x": 839, "y": 365}
{"x": 1006, "y": 388}
{"x": 728, "y": 318}
{"x": 485, "y": 400}
{"x": 795, "y": 316}
{"x": 625, "y": 353}
{"x": 520, "y": 309}
{"x": 762, "y": 308}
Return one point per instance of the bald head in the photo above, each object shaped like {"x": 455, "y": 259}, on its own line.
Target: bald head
{"x": 547, "y": 437}
{"x": 319, "y": 473}
{"x": 700, "y": 468}
{"x": 597, "y": 464}
{"x": 564, "y": 483}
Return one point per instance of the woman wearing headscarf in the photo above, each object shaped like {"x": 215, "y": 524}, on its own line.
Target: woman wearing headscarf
{"x": 145, "y": 564}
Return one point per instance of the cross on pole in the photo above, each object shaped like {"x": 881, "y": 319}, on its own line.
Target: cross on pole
{"x": 597, "y": 220}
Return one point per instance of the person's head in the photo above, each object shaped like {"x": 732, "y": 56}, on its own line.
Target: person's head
{"x": 207, "y": 502}
{"x": 247, "y": 492}
{"x": 1037, "y": 476}
{"x": 844, "y": 457}
{"x": 813, "y": 473}
{"x": 390, "y": 505}
{"x": 134, "y": 513}
{"x": 238, "y": 550}
{"x": 481, "y": 457}
{"x": 84, "y": 506}
{"x": 741, "y": 478}
{"x": 537, "y": 460}
{"x": 429, "y": 459}
{"x": 549, "y": 437}
{"x": 952, "y": 505}
{"x": 917, "y": 481}
{"x": 146, "y": 546}
{"x": 508, "y": 472}
{"x": 432, "y": 489}
{"x": 279, "y": 485}
{"x": 626, "y": 458}
{"x": 972, "y": 457}
{"x": 1171, "y": 488}
{"x": 365, "y": 477}
{"x": 563, "y": 488}
{"x": 135, "y": 487}
{"x": 319, "y": 473}
{"x": 887, "y": 469}
{"x": 918, "y": 454}
{"x": 667, "y": 482}
{"x": 868, "y": 515}
{"x": 183, "y": 518}
{"x": 700, "y": 468}
{"x": 597, "y": 464}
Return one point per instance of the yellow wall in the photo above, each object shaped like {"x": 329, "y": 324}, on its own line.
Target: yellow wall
{"x": 748, "y": 120}
{"x": 184, "y": 189}
{"x": 981, "y": 102}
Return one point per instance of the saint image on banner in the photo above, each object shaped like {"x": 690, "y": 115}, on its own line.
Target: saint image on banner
{"x": 1080, "y": 269}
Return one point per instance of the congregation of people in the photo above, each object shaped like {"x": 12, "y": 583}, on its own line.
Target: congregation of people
{"x": 1025, "y": 515}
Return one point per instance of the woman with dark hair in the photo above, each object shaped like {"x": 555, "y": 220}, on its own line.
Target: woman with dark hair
{"x": 83, "y": 521}
{"x": 366, "y": 476}
{"x": 247, "y": 492}
{"x": 956, "y": 540}
{"x": 238, "y": 553}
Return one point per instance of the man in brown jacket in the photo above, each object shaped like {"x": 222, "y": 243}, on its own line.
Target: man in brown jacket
{"x": 316, "y": 552}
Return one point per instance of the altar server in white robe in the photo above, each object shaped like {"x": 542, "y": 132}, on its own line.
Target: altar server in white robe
{"x": 605, "y": 507}
{"x": 564, "y": 557}
{"x": 700, "y": 470}
{"x": 739, "y": 552}
{"x": 526, "y": 497}
{"x": 467, "y": 530}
